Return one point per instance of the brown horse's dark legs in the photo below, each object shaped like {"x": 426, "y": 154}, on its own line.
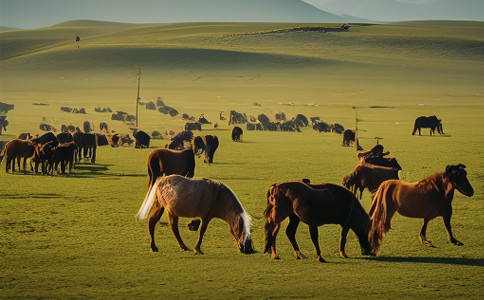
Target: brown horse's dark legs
{"x": 423, "y": 234}
{"x": 174, "y": 228}
{"x": 153, "y": 219}
{"x": 344, "y": 233}
{"x": 274, "y": 255}
{"x": 203, "y": 228}
{"x": 291, "y": 234}
{"x": 313, "y": 231}
{"x": 451, "y": 237}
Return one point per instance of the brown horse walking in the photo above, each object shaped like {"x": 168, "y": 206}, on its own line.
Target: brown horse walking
{"x": 315, "y": 205}
{"x": 426, "y": 199}
{"x": 195, "y": 198}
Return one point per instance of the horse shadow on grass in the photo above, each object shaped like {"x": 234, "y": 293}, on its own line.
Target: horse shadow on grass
{"x": 479, "y": 262}
{"x": 99, "y": 171}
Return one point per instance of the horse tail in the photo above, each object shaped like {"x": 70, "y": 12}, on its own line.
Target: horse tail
{"x": 378, "y": 218}
{"x": 149, "y": 200}
{"x": 154, "y": 169}
{"x": 269, "y": 226}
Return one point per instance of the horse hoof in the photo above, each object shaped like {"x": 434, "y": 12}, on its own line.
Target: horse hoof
{"x": 276, "y": 257}
{"x": 321, "y": 259}
{"x": 457, "y": 243}
{"x": 154, "y": 249}
{"x": 343, "y": 255}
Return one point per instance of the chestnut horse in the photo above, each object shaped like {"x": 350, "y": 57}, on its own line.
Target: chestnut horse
{"x": 426, "y": 199}
{"x": 315, "y": 205}
{"x": 167, "y": 162}
{"x": 195, "y": 198}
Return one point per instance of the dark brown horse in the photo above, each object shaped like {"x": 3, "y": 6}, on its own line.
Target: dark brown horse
{"x": 426, "y": 199}
{"x": 195, "y": 198}
{"x": 14, "y": 151}
{"x": 167, "y": 162}
{"x": 315, "y": 205}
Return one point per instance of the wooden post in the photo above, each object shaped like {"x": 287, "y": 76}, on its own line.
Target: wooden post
{"x": 137, "y": 97}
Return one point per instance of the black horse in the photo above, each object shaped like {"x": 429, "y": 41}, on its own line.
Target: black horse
{"x": 237, "y": 133}
{"x": 428, "y": 122}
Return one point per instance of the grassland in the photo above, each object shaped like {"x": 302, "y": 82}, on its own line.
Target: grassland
{"x": 76, "y": 236}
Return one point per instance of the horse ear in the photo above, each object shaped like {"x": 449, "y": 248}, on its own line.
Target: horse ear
{"x": 448, "y": 169}
{"x": 461, "y": 166}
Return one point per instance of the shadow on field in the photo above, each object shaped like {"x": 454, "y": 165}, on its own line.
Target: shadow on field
{"x": 99, "y": 171}
{"x": 434, "y": 260}
{"x": 34, "y": 196}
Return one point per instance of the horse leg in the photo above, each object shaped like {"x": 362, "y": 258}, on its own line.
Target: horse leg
{"x": 291, "y": 234}
{"x": 448, "y": 227}
{"x": 274, "y": 255}
{"x": 174, "y": 228}
{"x": 342, "y": 243}
{"x": 203, "y": 228}
{"x": 155, "y": 216}
{"x": 313, "y": 231}
{"x": 423, "y": 234}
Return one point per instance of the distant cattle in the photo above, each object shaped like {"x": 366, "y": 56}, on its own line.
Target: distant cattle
{"x": 237, "y": 118}
{"x": 205, "y": 144}
{"x": 65, "y": 137}
{"x": 253, "y": 126}
{"x": 193, "y": 126}
{"x": 428, "y": 122}
{"x": 103, "y": 127}
{"x": 186, "y": 116}
{"x": 280, "y": 116}
{"x": 142, "y": 139}
{"x": 203, "y": 120}
{"x": 348, "y": 137}
{"x": 3, "y": 123}
{"x": 338, "y": 128}
{"x": 88, "y": 126}
{"x": 87, "y": 143}
{"x": 179, "y": 140}
{"x": 237, "y": 133}
{"x": 322, "y": 127}
{"x": 301, "y": 120}
{"x": 4, "y": 107}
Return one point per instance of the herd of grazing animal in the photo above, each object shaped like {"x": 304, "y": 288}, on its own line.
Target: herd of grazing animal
{"x": 173, "y": 189}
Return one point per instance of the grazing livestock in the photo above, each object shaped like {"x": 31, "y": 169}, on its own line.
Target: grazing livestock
{"x": 64, "y": 156}
{"x": 280, "y": 116}
{"x": 315, "y": 205}
{"x": 426, "y": 199}
{"x": 48, "y": 137}
{"x": 428, "y": 122}
{"x": 87, "y": 143}
{"x": 142, "y": 139}
{"x": 43, "y": 157}
{"x": 15, "y": 150}
{"x": 322, "y": 127}
{"x": 3, "y": 123}
{"x": 348, "y": 137}
{"x": 211, "y": 145}
{"x": 64, "y": 137}
{"x": 198, "y": 146}
{"x": 254, "y": 126}
{"x": 203, "y": 120}
{"x": 200, "y": 198}
{"x": 4, "y": 107}
{"x": 103, "y": 126}
{"x": 179, "y": 140}
{"x": 237, "y": 118}
{"x": 166, "y": 162}
{"x": 193, "y": 126}
{"x": 237, "y": 133}
{"x": 368, "y": 176}
{"x": 338, "y": 128}
{"x": 301, "y": 120}
{"x": 24, "y": 136}
{"x": 88, "y": 126}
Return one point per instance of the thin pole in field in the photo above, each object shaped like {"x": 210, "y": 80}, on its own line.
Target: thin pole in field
{"x": 137, "y": 97}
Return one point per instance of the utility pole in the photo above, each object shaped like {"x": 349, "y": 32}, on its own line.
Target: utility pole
{"x": 137, "y": 97}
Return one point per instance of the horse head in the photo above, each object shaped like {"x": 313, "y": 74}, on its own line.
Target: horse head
{"x": 458, "y": 177}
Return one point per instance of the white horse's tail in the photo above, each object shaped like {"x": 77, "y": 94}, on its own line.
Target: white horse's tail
{"x": 149, "y": 200}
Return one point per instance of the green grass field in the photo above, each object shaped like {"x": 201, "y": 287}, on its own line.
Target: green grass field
{"x": 77, "y": 237}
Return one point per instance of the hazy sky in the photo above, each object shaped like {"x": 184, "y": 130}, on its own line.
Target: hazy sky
{"x": 40, "y": 13}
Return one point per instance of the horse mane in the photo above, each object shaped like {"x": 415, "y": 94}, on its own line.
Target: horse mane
{"x": 243, "y": 215}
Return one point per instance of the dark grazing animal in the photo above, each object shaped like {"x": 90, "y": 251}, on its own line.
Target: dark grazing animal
{"x": 428, "y": 122}
{"x": 87, "y": 143}
{"x": 315, "y": 205}
{"x": 368, "y": 176}
{"x": 193, "y": 126}
{"x": 3, "y": 123}
{"x": 211, "y": 145}
{"x": 167, "y": 162}
{"x": 88, "y": 126}
{"x": 195, "y": 198}
{"x": 142, "y": 139}
{"x": 348, "y": 137}
{"x": 426, "y": 199}
{"x": 64, "y": 157}
{"x": 14, "y": 151}
{"x": 64, "y": 137}
{"x": 237, "y": 133}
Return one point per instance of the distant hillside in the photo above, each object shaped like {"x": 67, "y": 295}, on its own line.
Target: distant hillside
{"x": 163, "y": 11}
